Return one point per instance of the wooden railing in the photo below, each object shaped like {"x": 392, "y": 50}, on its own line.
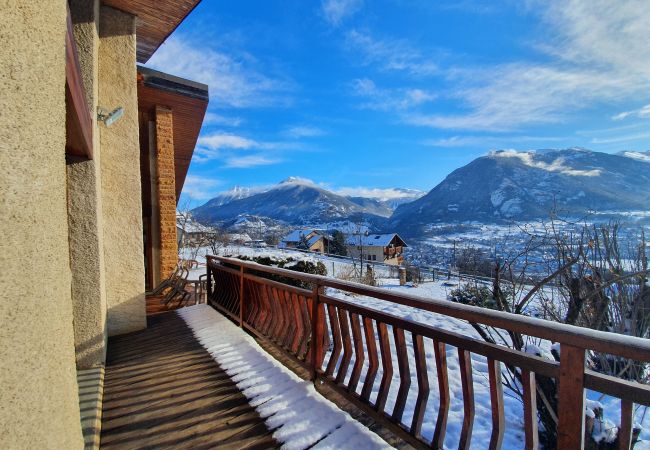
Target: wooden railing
{"x": 327, "y": 335}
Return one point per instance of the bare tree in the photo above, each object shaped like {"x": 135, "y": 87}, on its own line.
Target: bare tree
{"x": 217, "y": 240}
{"x": 582, "y": 275}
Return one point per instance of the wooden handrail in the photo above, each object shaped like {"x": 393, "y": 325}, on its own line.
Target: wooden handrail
{"x": 304, "y": 323}
{"x": 601, "y": 341}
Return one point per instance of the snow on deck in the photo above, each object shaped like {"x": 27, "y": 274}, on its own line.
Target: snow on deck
{"x": 300, "y": 416}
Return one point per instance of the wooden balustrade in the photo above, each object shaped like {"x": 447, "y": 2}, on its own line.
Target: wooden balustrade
{"x": 347, "y": 346}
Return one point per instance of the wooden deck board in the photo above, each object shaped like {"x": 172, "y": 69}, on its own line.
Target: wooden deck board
{"x": 163, "y": 390}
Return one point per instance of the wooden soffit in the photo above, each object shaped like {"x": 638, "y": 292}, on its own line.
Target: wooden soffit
{"x": 188, "y": 101}
{"x": 156, "y": 20}
{"x": 78, "y": 121}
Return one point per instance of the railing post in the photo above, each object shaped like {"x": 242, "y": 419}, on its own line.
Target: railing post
{"x": 316, "y": 332}
{"x": 241, "y": 296}
{"x": 571, "y": 398}
{"x": 209, "y": 280}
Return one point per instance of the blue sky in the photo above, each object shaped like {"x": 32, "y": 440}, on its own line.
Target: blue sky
{"x": 358, "y": 94}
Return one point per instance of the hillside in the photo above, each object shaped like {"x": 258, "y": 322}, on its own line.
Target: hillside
{"x": 294, "y": 201}
{"x": 509, "y": 185}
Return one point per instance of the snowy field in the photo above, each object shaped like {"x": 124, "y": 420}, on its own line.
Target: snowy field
{"x": 440, "y": 289}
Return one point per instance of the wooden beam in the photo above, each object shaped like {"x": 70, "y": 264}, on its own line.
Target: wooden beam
{"x": 571, "y": 398}
{"x": 79, "y": 125}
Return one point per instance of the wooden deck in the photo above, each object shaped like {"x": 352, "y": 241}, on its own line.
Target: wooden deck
{"x": 163, "y": 390}
{"x": 154, "y": 305}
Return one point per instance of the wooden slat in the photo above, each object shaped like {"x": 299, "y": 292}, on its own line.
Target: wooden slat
{"x": 465, "y": 363}
{"x": 496, "y": 403}
{"x": 404, "y": 374}
{"x": 318, "y": 330}
{"x": 279, "y": 325}
{"x": 347, "y": 347}
{"x": 571, "y": 398}
{"x": 625, "y": 430}
{"x": 241, "y": 296}
{"x": 530, "y": 409}
{"x": 387, "y": 367}
{"x": 157, "y": 19}
{"x": 291, "y": 325}
{"x": 273, "y": 316}
{"x": 359, "y": 354}
{"x": 306, "y": 324}
{"x": 423, "y": 385}
{"x": 324, "y": 339}
{"x": 268, "y": 312}
{"x": 520, "y": 359}
{"x": 373, "y": 359}
{"x": 443, "y": 390}
{"x": 299, "y": 337}
{"x": 336, "y": 335}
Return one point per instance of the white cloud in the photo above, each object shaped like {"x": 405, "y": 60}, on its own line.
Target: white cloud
{"x": 219, "y": 141}
{"x": 558, "y": 164}
{"x": 389, "y": 100}
{"x": 200, "y": 188}
{"x": 378, "y": 193}
{"x": 641, "y": 113}
{"x": 391, "y": 54}
{"x": 222, "y": 145}
{"x": 218, "y": 119}
{"x": 233, "y": 80}
{"x": 336, "y": 11}
{"x": 621, "y": 138}
{"x": 301, "y": 131}
{"x": 483, "y": 141}
{"x": 245, "y": 162}
{"x": 597, "y": 52}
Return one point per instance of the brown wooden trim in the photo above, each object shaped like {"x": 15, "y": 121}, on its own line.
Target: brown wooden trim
{"x": 616, "y": 387}
{"x": 79, "y": 132}
{"x": 571, "y": 398}
{"x": 601, "y": 341}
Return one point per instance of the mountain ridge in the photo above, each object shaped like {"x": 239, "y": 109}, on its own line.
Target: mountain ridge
{"x": 501, "y": 186}
{"x": 297, "y": 201}
{"x": 529, "y": 185}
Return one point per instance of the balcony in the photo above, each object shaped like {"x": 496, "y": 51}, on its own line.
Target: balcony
{"x": 419, "y": 384}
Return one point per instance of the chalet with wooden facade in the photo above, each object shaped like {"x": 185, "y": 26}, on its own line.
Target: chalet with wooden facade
{"x": 385, "y": 248}
{"x": 308, "y": 239}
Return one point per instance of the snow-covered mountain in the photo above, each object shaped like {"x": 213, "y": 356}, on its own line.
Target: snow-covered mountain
{"x": 510, "y": 185}
{"x": 236, "y": 193}
{"x": 298, "y": 201}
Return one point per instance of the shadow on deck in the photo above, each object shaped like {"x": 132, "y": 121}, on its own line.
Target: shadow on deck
{"x": 163, "y": 390}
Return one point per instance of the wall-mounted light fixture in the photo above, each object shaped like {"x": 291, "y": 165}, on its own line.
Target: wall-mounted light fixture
{"x": 109, "y": 118}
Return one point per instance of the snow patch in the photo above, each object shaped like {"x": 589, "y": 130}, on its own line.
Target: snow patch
{"x": 300, "y": 416}
{"x": 558, "y": 164}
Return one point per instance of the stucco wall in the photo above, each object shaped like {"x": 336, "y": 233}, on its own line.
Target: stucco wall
{"x": 84, "y": 207}
{"x": 38, "y": 389}
{"x": 121, "y": 189}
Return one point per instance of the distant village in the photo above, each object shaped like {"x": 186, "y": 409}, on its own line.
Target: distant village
{"x": 385, "y": 248}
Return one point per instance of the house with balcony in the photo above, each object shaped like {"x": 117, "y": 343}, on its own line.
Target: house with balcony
{"x": 383, "y": 248}
{"x": 95, "y": 150}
